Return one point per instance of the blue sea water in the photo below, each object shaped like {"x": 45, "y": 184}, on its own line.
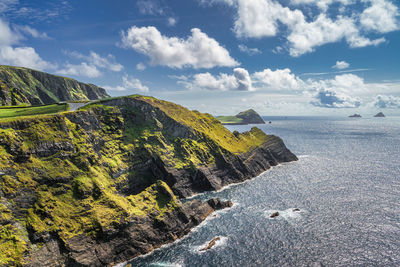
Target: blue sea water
{"x": 346, "y": 185}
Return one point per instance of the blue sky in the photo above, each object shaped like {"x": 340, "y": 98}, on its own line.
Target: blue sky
{"x": 289, "y": 57}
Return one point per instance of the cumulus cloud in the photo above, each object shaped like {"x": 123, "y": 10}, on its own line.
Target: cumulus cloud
{"x": 381, "y": 16}
{"x": 172, "y": 21}
{"x": 91, "y": 66}
{"x": 266, "y": 18}
{"x": 129, "y": 83}
{"x": 140, "y": 66}
{"x": 249, "y": 51}
{"x": 340, "y": 65}
{"x": 107, "y": 62}
{"x": 339, "y": 92}
{"x": 197, "y": 51}
{"x": 332, "y": 99}
{"x": 10, "y": 54}
{"x": 82, "y": 69}
{"x": 384, "y": 101}
{"x": 239, "y": 81}
{"x": 280, "y": 79}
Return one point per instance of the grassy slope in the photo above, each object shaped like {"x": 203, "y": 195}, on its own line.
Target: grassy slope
{"x": 77, "y": 193}
{"x": 229, "y": 119}
{"x": 17, "y": 111}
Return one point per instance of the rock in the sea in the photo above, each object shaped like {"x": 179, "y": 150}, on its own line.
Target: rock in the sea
{"x": 379, "y": 115}
{"x": 217, "y": 204}
{"x": 275, "y": 214}
{"x": 296, "y": 209}
{"x": 355, "y": 116}
{"x": 211, "y": 244}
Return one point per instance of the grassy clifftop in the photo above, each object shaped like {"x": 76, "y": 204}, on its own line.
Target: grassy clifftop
{"x": 87, "y": 172}
{"x": 245, "y": 117}
{"x": 26, "y": 86}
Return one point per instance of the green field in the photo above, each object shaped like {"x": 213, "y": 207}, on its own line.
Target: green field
{"x": 18, "y": 111}
{"x": 229, "y": 119}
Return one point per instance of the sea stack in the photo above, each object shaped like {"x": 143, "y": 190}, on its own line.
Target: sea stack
{"x": 355, "y": 116}
{"x": 380, "y": 115}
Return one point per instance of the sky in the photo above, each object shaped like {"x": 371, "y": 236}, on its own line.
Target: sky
{"x": 287, "y": 57}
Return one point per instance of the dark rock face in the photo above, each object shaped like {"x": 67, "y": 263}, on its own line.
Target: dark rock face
{"x": 379, "y": 115}
{"x": 136, "y": 237}
{"x": 27, "y": 86}
{"x": 275, "y": 214}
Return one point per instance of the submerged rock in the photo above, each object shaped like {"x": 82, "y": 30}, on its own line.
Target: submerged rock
{"x": 275, "y": 214}
{"x": 211, "y": 244}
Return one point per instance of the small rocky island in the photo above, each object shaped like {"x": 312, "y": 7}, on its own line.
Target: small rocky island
{"x": 243, "y": 118}
{"x": 380, "y": 115}
{"x": 355, "y": 116}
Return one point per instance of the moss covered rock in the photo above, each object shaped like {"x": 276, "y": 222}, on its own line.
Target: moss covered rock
{"x": 102, "y": 185}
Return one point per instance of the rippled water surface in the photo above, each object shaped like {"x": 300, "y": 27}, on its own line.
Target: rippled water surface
{"x": 346, "y": 185}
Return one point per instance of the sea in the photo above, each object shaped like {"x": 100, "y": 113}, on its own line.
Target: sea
{"x": 346, "y": 185}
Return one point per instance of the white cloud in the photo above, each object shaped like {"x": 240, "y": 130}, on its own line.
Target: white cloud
{"x": 322, "y": 4}
{"x": 381, "y": 16}
{"x": 197, "y": 51}
{"x": 150, "y": 7}
{"x": 108, "y": 62}
{"x": 266, "y": 18}
{"x": 331, "y": 99}
{"x": 83, "y": 69}
{"x": 172, "y": 21}
{"x": 249, "y": 51}
{"x": 27, "y": 30}
{"x": 18, "y": 56}
{"x": 305, "y": 36}
{"x": 129, "y": 83}
{"x": 7, "y": 4}
{"x": 280, "y": 79}
{"x": 7, "y": 36}
{"x": 259, "y": 18}
{"x": 340, "y": 92}
{"x": 384, "y": 101}
{"x": 140, "y": 66}
{"x": 340, "y": 65}
{"x": 24, "y": 57}
{"x": 239, "y": 81}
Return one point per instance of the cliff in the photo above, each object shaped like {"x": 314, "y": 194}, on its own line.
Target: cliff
{"x": 26, "y": 86}
{"x": 102, "y": 185}
{"x": 245, "y": 117}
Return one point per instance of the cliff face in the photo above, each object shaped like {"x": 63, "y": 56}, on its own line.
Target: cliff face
{"x": 26, "y": 86}
{"x": 101, "y": 185}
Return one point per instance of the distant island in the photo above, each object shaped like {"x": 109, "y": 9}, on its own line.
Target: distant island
{"x": 355, "y": 116}
{"x": 245, "y": 117}
{"x": 380, "y": 115}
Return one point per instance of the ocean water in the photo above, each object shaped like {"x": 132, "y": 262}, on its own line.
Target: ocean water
{"x": 346, "y": 185}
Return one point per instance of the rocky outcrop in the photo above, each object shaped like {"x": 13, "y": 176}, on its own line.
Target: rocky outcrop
{"x": 355, "y": 116}
{"x": 102, "y": 185}
{"x": 379, "y": 115}
{"x": 26, "y": 86}
{"x": 243, "y": 118}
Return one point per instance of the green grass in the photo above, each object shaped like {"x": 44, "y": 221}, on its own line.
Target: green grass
{"x": 229, "y": 119}
{"x": 18, "y": 111}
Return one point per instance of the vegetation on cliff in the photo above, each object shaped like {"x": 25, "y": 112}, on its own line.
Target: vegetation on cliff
{"x": 245, "y": 117}
{"x": 26, "y": 86}
{"x": 18, "y": 111}
{"x": 86, "y": 173}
